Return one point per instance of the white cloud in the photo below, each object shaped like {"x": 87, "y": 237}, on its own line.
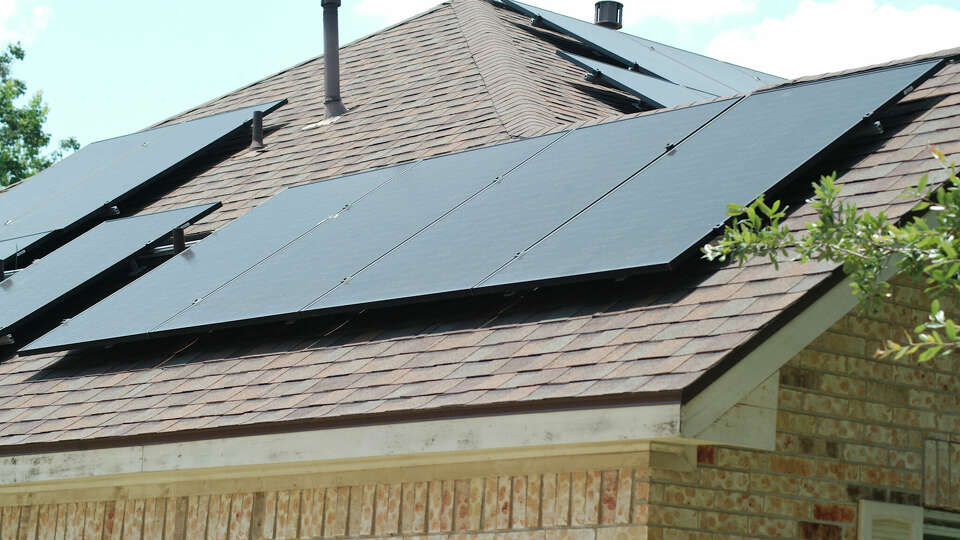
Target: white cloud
{"x": 828, "y": 36}
{"x": 391, "y": 11}
{"x": 684, "y": 11}
{"x": 17, "y": 27}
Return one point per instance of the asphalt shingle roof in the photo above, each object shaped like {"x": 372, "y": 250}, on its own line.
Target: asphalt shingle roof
{"x": 462, "y": 75}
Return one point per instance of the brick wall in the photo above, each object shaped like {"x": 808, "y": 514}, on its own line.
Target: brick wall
{"x": 589, "y": 505}
{"x": 849, "y": 427}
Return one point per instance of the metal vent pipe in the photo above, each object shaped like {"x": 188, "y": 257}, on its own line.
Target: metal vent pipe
{"x": 331, "y": 59}
{"x": 609, "y": 14}
{"x": 256, "y": 131}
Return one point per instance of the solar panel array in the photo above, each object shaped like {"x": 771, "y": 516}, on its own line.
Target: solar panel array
{"x": 103, "y": 173}
{"x": 77, "y": 263}
{"x": 631, "y": 194}
{"x": 651, "y": 90}
{"x": 669, "y": 63}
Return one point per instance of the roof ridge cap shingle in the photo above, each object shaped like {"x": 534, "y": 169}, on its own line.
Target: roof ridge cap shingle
{"x": 502, "y": 70}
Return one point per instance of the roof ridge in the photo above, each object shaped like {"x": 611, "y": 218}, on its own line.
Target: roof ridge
{"x": 173, "y": 118}
{"x": 501, "y": 69}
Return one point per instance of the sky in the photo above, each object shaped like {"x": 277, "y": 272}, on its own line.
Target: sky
{"x": 111, "y": 67}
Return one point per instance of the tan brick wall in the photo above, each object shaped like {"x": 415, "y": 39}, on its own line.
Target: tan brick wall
{"x": 588, "y": 505}
{"x": 849, "y": 427}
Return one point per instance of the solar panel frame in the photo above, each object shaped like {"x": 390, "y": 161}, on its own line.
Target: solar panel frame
{"x": 692, "y": 59}
{"x": 47, "y": 202}
{"x": 338, "y": 249}
{"x": 546, "y": 254}
{"x": 657, "y": 59}
{"x": 530, "y": 202}
{"x": 175, "y": 275}
{"x": 212, "y": 262}
{"x": 48, "y": 281}
{"x": 922, "y": 71}
{"x": 651, "y": 90}
{"x": 12, "y": 247}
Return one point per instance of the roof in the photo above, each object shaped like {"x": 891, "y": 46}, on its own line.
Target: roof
{"x": 453, "y": 78}
{"x": 463, "y": 75}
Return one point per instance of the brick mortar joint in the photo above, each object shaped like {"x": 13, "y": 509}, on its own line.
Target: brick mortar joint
{"x": 811, "y": 457}
{"x": 679, "y": 483}
{"x": 859, "y": 421}
{"x": 758, "y": 515}
{"x": 862, "y": 378}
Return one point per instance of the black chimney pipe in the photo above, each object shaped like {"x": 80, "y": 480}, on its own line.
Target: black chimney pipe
{"x": 608, "y": 14}
{"x": 331, "y": 59}
{"x": 256, "y": 131}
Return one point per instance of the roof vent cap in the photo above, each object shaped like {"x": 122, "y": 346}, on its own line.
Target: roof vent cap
{"x": 609, "y": 14}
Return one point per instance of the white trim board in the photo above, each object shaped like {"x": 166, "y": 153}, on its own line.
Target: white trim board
{"x": 733, "y": 387}
{"x": 489, "y": 437}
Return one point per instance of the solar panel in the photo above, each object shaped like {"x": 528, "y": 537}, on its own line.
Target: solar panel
{"x": 213, "y": 262}
{"x": 469, "y": 244}
{"x": 373, "y": 225}
{"x": 102, "y": 173}
{"x": 10, "y": 248}
{"x": 542, "y": 180}
{"x": 675, "y": 65}
{"x": 656, "y": 92}
{"x": 634, "y": 193}
{"x": 743, "y": 153}
{"x": 77, "y": 263}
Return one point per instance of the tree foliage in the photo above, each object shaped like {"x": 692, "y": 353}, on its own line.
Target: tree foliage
{"x": 925, "y": 246}
{"x": 22, "y": 139}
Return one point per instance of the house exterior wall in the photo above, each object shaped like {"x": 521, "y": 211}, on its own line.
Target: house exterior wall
{"x": 594, "y": 504}
{"x": 849, "y": 427}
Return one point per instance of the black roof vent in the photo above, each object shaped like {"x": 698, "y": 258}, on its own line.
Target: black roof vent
{"x": 609, "y": 14}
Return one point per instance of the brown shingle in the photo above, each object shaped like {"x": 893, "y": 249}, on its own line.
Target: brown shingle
{"x": 484, "y": 76}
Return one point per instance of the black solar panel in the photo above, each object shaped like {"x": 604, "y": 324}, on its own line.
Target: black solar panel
{"x": 651, "y": 90}
{"x": 377, "y": 223}
{"x": 474, "y": 241}
{"x": 49, "y": 279}
{"x": 10, "y": 248}
{"x": 231, "y": 275}
{"x": 675, "y": 65}
{"x": 745, "y": 152}
{"x": 214, "y": 262}
{"x": 102, "y": 173}
{"x": 628, "y": 194}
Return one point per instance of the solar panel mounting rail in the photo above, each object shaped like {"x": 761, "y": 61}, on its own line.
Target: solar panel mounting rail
{"x": 49, "y": 281}
{"x": 46, "y": 210}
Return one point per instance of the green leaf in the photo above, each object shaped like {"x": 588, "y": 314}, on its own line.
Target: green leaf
{"x": 926, "y": 355}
